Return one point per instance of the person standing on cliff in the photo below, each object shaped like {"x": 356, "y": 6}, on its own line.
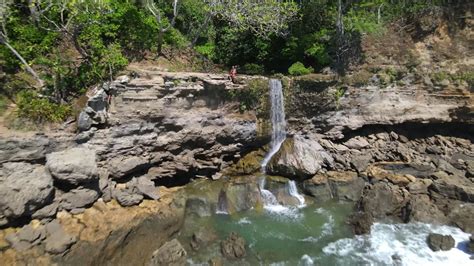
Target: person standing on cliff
{"x": 233, "y": 74}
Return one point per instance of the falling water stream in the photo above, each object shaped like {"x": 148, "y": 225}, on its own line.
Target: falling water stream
{"x": 277, "y": 117}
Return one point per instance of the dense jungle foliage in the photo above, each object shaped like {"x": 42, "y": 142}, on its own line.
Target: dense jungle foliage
{"x": 52, "y": 51}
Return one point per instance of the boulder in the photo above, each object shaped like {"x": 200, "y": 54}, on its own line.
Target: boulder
{"x": 422, "y": 209}
{"x": 470, "y": 245}
{"x": 233, "y": 247}
{"x": 24, "y": 188}
{"x": 438, "y": 242}
{"x": 383, "y": 199}
{"x": 78, "y": 198}
{"x": 299, "y": 158}
{"x": 360, "y": 162}
{"x": 345, "y": 185}
{"x": 57, "y": 240}
{"x": 361, "y": 223}
{"x": 461, "y": 215}
{"x": 84, "y": 121}
{"x": 122, "y": 166}
{"x": 47, "y": 211}
{"x": 357, "y": 143}
{"x": 453, "y": 187}
{"x": 203, "y": 236}
{"x": 74, "y": 166}
{"x": 170, "y": 253}
{"x": 420, "y": 186}
{"x": 126, "y": 198}
{"x": 26, "y": 237}
{"x": 15, "y": 150}
{"x": 147, "y": 188}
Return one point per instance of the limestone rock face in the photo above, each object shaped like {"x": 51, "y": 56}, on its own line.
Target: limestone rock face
{"x": 438, "y": 242}
{"x": 24, "y": 188}
{"x": 73, "y": 166}
{"x": 171, "y": 253}
{"x": 299, "y": 158}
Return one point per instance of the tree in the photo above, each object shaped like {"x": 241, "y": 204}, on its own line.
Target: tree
{"x": 163, "y": 24}
{"x": 264, "y": 18}
{"x": 4, "y": 12}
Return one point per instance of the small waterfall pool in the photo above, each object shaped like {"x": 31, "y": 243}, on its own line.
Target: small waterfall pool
{"x": 307, "y": 233}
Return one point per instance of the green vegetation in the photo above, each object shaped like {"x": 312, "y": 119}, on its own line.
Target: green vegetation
{"x": 298, "y": 69}
{"x": 61, "y": 48}
{"x": 40, "y": 110}
{"x": 250, "y": 98}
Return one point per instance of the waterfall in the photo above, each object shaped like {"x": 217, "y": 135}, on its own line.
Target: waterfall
{"x": 293, "y": 191}
{"x": 277, "y": 116}
{"x": 268, "y": 198}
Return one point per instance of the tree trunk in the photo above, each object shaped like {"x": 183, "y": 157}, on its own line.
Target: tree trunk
{"x": 159, "y": 44}
{"x": 23, "y": 61}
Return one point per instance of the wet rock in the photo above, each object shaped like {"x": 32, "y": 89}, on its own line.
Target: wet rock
{"x": 126, "y": 198}
{"x": 233, "y": 247}
{"x": 57, "y": 241}
{"x": 170, "y": 253}
{"x": 438, "y": 242}
{"x": 202, "y": 238}
{"x": 299, "y": 158}
{"x": 24, "y": 188}
{"x": 78, "y": 198}
{"x": 73, "y": 166}
{"x": 198, "y": 206}
{"x": 241, "y": 196}
{"x": 383, "y": 199}
{"x": 361, "y": 223}
{"x": 470, "y": 245}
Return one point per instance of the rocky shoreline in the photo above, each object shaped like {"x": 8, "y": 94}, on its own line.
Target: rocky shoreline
{"x": 98, "y": 191}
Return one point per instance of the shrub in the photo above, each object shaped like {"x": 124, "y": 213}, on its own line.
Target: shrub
{"x": 206, "y": 50}
{"x": 40, "y": 110}
{"x": 298, "y": 69}
{"x": 253, "y": 69}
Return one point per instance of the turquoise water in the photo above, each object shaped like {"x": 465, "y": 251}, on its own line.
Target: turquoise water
{"x": 318, "y": 235}
{"x": 285, "y": 236}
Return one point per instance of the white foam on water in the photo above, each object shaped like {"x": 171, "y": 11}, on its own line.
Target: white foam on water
{"x": 327, "y": 227}
{"x": 244, "y": 220}
{"x": 405, "y": 241}
{"x": 306, "y": 260}
{"x": 293, "y": 191}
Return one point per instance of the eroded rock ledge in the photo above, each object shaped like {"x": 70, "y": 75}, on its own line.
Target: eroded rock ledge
{"x": 135, "y": 134}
